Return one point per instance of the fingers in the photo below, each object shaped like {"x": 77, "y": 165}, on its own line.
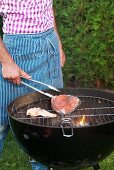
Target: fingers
{"x": 12, "y": 77}
{"x": 63, "y": 59}
{"x": 63, "y": 62}
{"x": 24, "y": 74}
{"x": 15, "y": 80}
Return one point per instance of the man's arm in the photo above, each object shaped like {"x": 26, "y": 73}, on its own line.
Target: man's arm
{"x": 4, "y": 55}
{"x": 10, "y": 70}
{"x": 62, "y": 54}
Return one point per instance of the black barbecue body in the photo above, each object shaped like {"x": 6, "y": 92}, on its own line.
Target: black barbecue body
{"x": 87, "y": 147}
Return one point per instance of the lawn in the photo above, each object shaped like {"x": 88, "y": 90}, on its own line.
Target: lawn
{"x": 15, "y": 159}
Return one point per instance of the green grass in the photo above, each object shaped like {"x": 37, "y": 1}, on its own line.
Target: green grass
{"x": 14, "y": 158}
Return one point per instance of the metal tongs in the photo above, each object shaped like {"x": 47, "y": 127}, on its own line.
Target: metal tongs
{"x": 61, "y": 112}
{"x": 40, "y": 91}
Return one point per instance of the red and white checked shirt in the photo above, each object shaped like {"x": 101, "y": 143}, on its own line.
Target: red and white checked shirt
{"x": 26, "y": 16}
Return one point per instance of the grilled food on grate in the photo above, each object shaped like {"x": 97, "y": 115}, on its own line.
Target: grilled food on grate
{"x": 65, "y": 103}
{"x": 37, "y": 111}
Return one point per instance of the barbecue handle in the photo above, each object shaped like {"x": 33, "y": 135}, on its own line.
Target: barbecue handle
{"x": 39, "y": 82}
{"x": 40, "y": 91}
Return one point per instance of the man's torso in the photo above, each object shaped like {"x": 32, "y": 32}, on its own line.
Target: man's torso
{"x": 26, "y": 16}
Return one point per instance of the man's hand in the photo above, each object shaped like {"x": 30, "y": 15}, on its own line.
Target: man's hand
{"x": 62, "y": 56}
{"x": 12, "y": 72}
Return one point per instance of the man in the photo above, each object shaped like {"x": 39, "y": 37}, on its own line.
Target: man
{"x": 31, "y": 47}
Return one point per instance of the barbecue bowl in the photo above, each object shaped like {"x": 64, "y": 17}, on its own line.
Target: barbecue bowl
{"x": 44, "y": 141}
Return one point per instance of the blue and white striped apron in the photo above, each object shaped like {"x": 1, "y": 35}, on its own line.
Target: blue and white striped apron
{"x": 36, "y": 54}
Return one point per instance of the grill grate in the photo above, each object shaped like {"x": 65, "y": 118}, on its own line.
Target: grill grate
{"x": 92, "y": 111}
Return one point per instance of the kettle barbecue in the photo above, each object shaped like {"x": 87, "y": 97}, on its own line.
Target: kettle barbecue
{"x": 43, "y": 140}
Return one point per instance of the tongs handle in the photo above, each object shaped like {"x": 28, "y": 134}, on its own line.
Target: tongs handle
{"x": 40, "y": 91}
{"x": 39, "y": 82}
